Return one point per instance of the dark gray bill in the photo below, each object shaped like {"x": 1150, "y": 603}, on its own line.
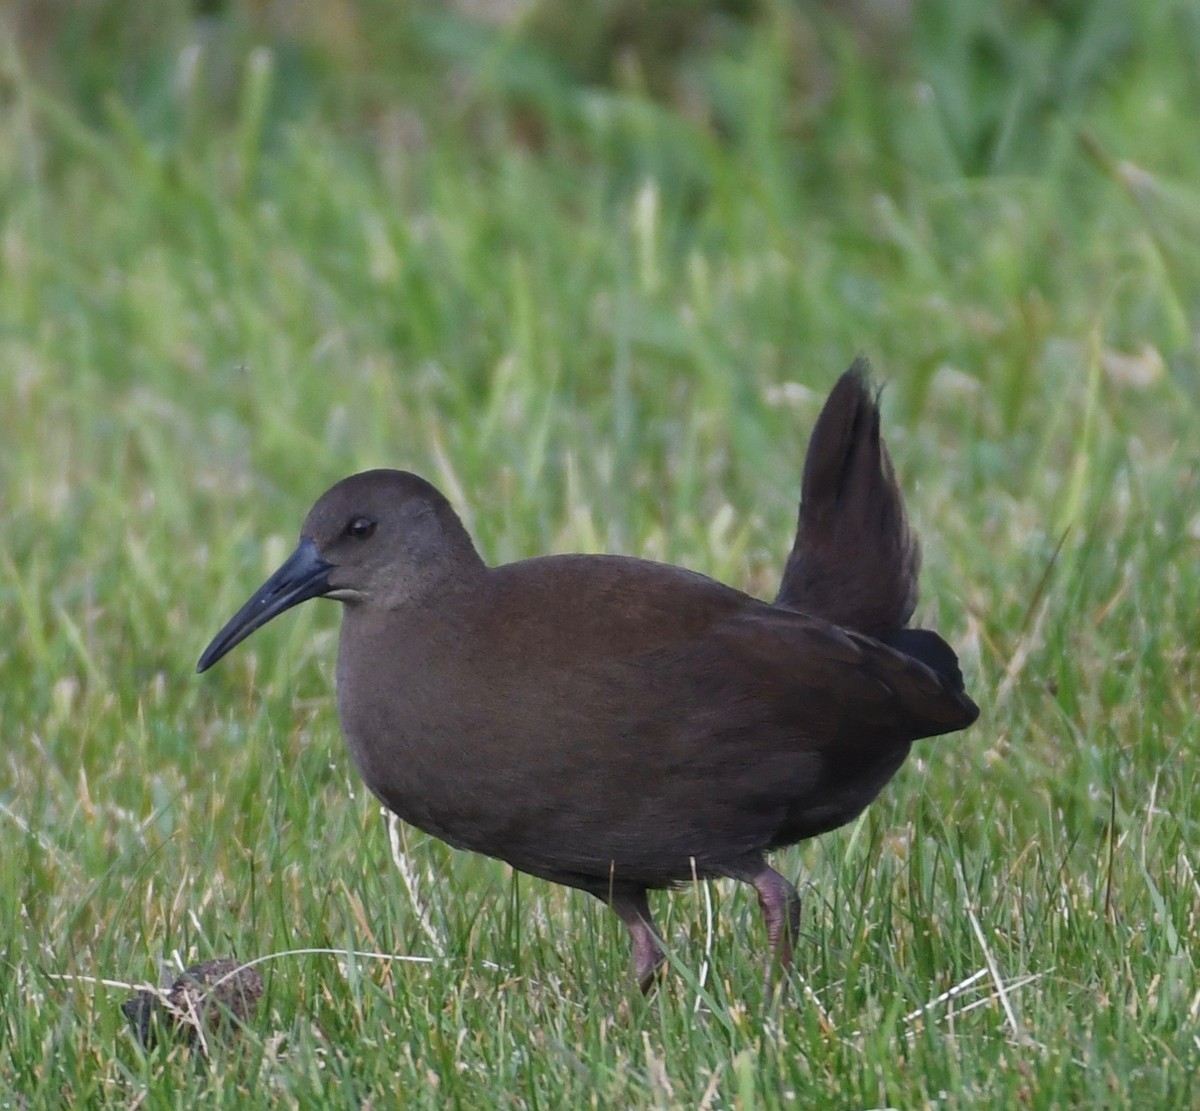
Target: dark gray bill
{"x": 303, "y": 575}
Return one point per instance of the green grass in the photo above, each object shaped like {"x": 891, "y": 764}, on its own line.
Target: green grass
{"x": 599, "y": 302}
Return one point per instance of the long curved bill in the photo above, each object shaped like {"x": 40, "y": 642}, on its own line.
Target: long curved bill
{"x": 303, "y": 575}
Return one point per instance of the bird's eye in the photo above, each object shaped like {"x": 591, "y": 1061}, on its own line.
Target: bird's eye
{"x": 360, "y": 528}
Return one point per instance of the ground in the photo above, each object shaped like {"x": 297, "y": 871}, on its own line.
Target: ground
{"x": 594, "y": 280}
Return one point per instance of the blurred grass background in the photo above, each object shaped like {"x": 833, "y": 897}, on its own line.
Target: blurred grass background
{"x": 591, "y": 269}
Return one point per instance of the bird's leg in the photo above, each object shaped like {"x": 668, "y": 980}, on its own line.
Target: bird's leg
{"x": 648, "y": 956}
{"x": 780, "y": 905}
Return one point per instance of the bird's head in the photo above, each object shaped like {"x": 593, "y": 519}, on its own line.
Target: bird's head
{"x": 383, "y": 538}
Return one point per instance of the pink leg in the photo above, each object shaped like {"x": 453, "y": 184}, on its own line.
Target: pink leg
{"x": 780, "y": 905}
{"x": 648, "y": 955}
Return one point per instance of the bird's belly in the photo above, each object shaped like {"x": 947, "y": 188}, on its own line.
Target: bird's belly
{"x": 842, "y": 796}
{"x": 563, "y": 829}
{"x": 586, "y": 816}
{"x": 433, "y": 795}
{"x": 453, "y": 782}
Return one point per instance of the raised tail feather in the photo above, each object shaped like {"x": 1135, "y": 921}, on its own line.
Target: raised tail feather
{"x": 854, "y": 561}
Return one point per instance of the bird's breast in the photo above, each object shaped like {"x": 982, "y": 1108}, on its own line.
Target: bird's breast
{"x": 421, "y": 740}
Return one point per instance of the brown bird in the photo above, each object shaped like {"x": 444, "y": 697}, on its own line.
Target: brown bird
{"x": 619, "y": 725}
